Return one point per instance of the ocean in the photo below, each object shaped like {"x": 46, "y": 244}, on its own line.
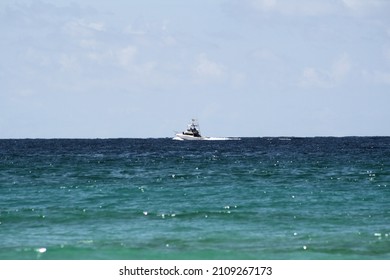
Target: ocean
{"x": 145, "y": 199}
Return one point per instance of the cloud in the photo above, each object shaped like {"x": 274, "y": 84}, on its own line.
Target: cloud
{"x": 265, "y": 5}
{"x": 82, "y": 27}
{"x": 69, "y": 63}
{"x": 363, "y": 5}
{"x": 312, "y": 77}
{"x": 89, "y": 43}
{"x": 318, "y": 8}
{"x": 382, "y": 77}
{"x": 208, "y": 69}
{"x": 340, "y": 68}
{"x": 126, "y": 55}
{"x": 327, "y": 78}
{"x": 376, "y": 77}
{"x": 353, "y": 4}
{"x": 298, "y": 7}
{"x": 265, "y": 54}
{"x": 131, "y": 30}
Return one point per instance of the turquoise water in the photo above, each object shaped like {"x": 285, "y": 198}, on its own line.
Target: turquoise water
{"x": 257, "y": 198}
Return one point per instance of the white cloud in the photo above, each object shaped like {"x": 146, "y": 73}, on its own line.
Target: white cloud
{"x": 136, "y": 69}
{"x": 382, "y": 77}
{"x": 238, "y": 79}
{"x": 326, "y": 78}
{"x": 208, "y": 69}
{"x": 312, "y": 77}
{"x": 340, "y": 68}
{"x": 377, "y": 77}
{"x": 69, "y": 63}
{"x": 363, "y": 5}
{"x": 297, "y": 7}
{"x": 81, "y": 27}
{"x": 265, "y": 54}
{"x": 88, "y": 43}
{"x": 126, "y": 55}
{"x": 317, "y": 8}
{"x": 131, "y": 30}
{"x": 97, "y": 26}
{"x": 169, "y": 41}
{"x": 265, "y": 5}
{"x": 353, "y": 4}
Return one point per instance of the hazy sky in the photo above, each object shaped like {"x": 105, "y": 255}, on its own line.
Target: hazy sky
{"x": 242, "y": 67}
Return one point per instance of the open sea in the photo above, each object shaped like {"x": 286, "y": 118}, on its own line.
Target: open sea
{"x": 254, "y": 198}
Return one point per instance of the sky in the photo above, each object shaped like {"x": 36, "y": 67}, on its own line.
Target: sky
{"x": 246, "y": 68}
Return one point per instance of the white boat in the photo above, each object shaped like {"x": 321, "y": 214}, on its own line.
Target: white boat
{"x": 191, "y": 133}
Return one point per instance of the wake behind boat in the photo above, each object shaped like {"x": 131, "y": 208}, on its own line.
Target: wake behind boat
{"x": 193, "y": 133}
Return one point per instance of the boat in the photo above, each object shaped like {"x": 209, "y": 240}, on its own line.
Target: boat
{"x": 191, "y": 133}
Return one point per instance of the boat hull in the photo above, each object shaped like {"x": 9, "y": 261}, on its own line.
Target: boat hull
{"x": 180, "y": 136}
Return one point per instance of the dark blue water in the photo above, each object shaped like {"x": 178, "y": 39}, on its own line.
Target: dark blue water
{"x": 256, "y": 198}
